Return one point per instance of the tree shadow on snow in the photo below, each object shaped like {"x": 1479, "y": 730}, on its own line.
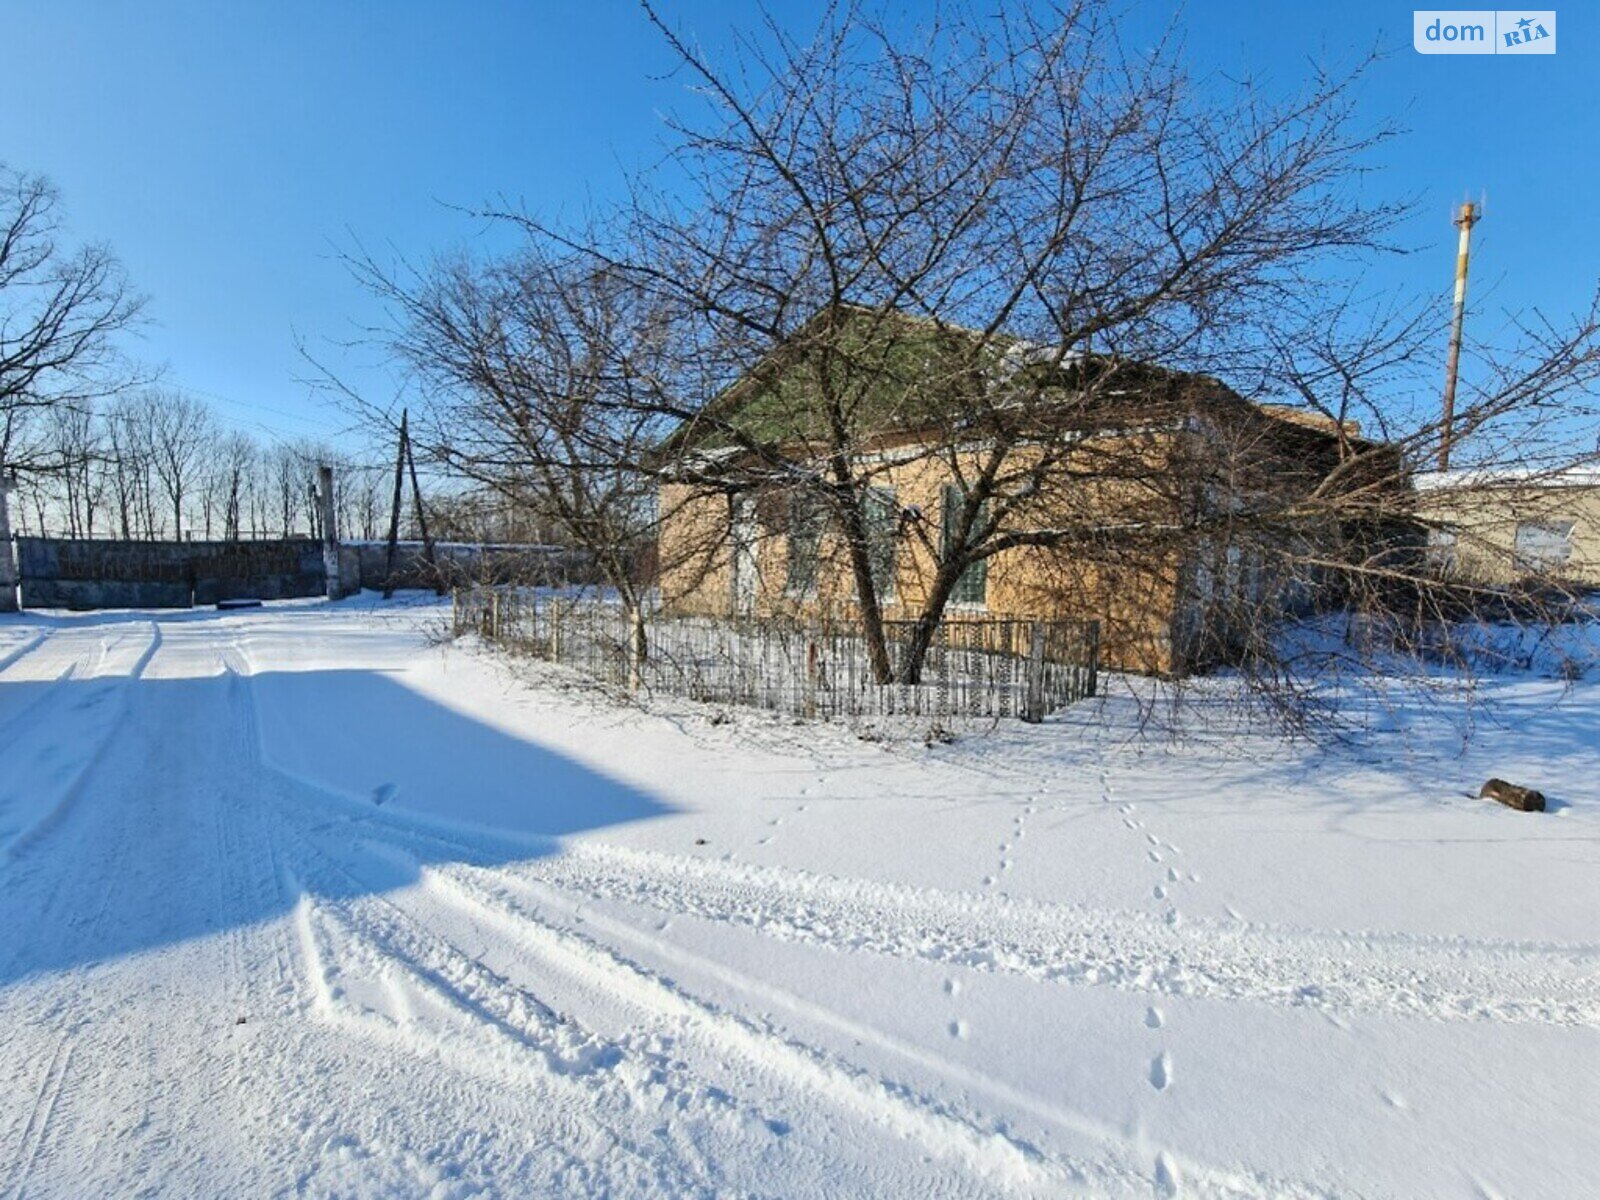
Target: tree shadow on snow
{"x": 140, "y": 813}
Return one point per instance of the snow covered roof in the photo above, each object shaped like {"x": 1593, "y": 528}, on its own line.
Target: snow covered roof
{"x": 1482, "y": 477}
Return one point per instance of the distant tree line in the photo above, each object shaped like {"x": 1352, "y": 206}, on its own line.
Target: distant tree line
{"x": 157, "y": 464}
{"x": 94, "y": 447}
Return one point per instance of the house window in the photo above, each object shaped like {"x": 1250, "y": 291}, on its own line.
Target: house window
{"x": 1443, "y": 553}
{"x": 806, "y": 520}
{"x": 973, "y": 586}
{"x": 1542, "y": 547}
{"x": 882, "y": 518}
{"x": 743, "y": 529}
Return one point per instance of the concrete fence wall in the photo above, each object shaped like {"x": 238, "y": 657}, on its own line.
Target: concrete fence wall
{"x": 458, "y": 564}
{"x": 80, "y": 573}
{"x": 85, "y": 573}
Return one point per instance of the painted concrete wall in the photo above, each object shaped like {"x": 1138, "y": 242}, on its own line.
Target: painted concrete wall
{"x": 1473, "y": 526}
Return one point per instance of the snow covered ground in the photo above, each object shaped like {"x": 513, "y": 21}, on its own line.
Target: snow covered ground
{"x": 298, "y": 902}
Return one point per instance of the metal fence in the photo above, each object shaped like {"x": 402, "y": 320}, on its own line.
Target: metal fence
{"x": 993, "y": 667}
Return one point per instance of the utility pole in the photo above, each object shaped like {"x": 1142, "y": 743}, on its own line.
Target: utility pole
{"x": 422, "y": 513}
{"x": 330, "y": 533}
{"x": 8, "y": 565}
{"x": 394, "y": 512}
{"x": 1466, "y": 217}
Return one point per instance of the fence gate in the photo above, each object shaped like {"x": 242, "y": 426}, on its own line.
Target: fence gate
{"x": 83, "y": 573}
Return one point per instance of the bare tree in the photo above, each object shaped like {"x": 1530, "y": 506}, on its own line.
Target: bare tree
{"x": 536, "y": 373}
{"x": 179, "y": 432}
{"x": 60, "y": 311}
{"x": 1028, "y": 194}
{"x": 1009, "y": 254}
{"x": 1008, "y": 251}
{"x": 78, "y": 466}
{"x": 230, "y": 479}
{"x": 285, "y": 487}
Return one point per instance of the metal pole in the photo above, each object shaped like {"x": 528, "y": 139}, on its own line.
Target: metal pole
{"x": 1466, "y": 217}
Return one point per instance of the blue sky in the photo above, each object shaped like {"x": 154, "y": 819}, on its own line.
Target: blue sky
{"x": 228, "y": 151}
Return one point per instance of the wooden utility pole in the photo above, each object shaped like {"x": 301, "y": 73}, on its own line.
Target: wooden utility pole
{"x": 394, "y": 512}
{"x": 404, "y": 459}
{"x": 1466, "y": 217}
{"x": 8, "y": 563}
{"x": 422, "y": 516}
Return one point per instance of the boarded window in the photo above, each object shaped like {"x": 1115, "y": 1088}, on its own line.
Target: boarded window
{"x": 973, "y": 586}
{"x": 806, "y": 520}
{"x": 1543, "y": 547}
{"x": 882, "y": 519}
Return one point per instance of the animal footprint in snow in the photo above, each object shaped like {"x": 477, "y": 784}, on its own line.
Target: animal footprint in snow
{"x": 1161, "y": 1071}
{"x": 1153, "y": 856}
{"x": 1167, "y": 1181}
{"x": 958, "y": 1030}
{"x": 1153, "y": 1017}
{"x": 952, "y": 987}
{"x": 1173, "y": 875}
{"x": 384, "y": 793}
{"x": 1159, "y": 892}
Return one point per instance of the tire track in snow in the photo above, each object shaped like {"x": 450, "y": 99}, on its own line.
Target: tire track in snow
{"x": 376, "y": 935}
{"x": 114, "y": 720}
{"x": 1332, "y": 971}
{"x": 514, "y": 907}
{"x": 37, "y": 1126}
{"x": 490, "y": 1027}
{"x": 54, "y": 811}
{"x": 20, "y": 651}
{"x": 989, "y": 1153}
{"x": 447, "y": 1007}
